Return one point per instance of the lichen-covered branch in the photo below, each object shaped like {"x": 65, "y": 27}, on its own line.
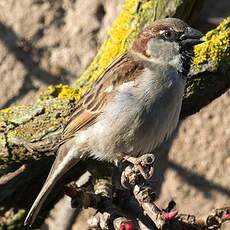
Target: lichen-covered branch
{"x": 28, "y": 134}
{"x": 210, "y": 72}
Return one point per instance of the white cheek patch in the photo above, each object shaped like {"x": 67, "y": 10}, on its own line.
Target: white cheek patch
{"x": 164, "y": 52}
{"x": 155, "y": 48}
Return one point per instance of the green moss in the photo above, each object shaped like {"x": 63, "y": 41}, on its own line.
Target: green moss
{"x": 16, "y": 221}
{"x": 4, "y": 153}
{"x": 11, "y": 219}
{"x": 215, "y": 49}
{"x": 20, "y": 114}
{"x": 55, "y": 112}
{"x": 36, "y": 126}
{"x": 2, "y": 140}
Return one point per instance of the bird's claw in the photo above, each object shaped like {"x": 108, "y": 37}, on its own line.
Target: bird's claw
{"x": 141, "y": 166}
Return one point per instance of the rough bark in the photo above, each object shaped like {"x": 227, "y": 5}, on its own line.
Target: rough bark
{"x": 22, "y": 169}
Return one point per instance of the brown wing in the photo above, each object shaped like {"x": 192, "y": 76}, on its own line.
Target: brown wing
{"x": 122, "y": 70}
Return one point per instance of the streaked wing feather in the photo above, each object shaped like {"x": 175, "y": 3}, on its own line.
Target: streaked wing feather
{"x": 82, "y": 121}
{"x": 92, "y": 103}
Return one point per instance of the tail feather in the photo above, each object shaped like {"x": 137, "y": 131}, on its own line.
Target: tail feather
{"x": 39, "y": 202}
{"x": 62, "y": 164}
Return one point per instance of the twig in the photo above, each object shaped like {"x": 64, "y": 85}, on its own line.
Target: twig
{"x": 8, "y": 177}
{"x": 168, "y": 218}
{"x": 101, "y": 194}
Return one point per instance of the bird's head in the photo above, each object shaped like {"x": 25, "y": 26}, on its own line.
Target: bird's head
{"x": 167, "y": 40}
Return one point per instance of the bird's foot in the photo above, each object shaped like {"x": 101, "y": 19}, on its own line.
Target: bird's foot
{"x": 141, "y": 166}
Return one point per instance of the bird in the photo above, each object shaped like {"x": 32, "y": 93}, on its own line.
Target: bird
{"x": 132, "y": 107}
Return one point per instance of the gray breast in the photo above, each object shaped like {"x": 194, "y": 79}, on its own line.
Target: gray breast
{"x": 160, "y": 113}
{"x": 156, "y": 126}
{"x": 138, "y": 119}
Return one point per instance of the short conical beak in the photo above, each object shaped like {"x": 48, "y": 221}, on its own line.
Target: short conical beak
{"x": 191, "y": 37}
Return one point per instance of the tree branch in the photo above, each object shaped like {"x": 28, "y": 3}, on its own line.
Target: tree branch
{"x": 101, "y": 194}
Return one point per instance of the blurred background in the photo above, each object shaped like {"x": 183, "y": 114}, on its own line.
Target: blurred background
{"x": 45, "y": 42}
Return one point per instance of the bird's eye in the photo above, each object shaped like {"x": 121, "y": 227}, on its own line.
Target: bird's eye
{"x": 169, "y": 35}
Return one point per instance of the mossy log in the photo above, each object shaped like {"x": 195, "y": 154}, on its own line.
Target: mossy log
{"x": 22, "y": 170}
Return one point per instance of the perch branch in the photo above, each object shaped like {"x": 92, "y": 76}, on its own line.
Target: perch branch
{"x": 98, "y": 194}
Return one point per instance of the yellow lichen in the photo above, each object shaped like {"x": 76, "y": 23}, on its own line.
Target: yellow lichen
{"x": 61, "y": 91}
{"x": 216, "y": 47}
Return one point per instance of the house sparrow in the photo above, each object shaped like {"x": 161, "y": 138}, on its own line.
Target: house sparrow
{"x": 132, "y": 107}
